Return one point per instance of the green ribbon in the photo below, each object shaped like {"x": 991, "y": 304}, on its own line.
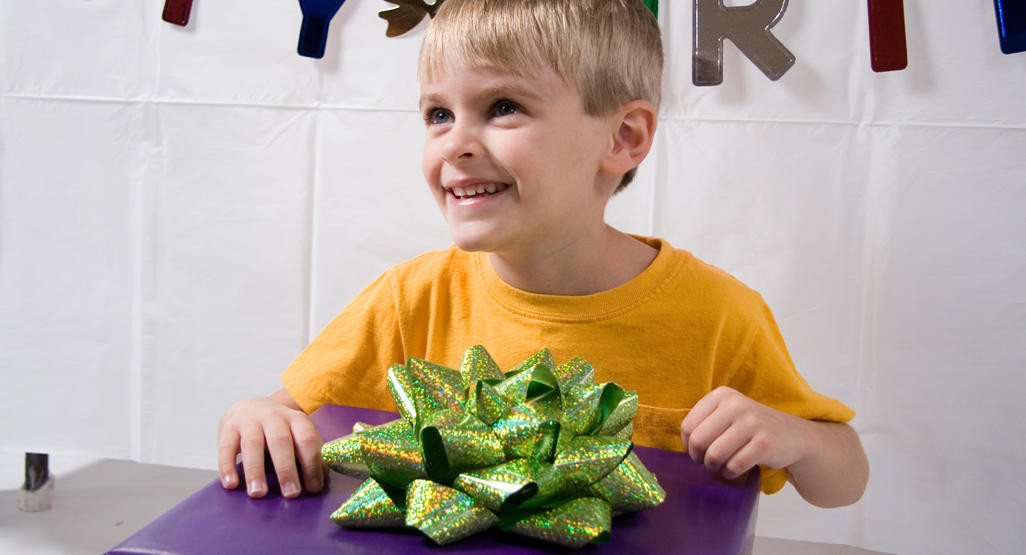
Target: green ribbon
{"x": 540, "y": 450}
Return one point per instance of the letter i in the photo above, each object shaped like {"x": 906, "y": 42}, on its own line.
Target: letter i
{"x": 887, "y": 48}
{"x": 177, "y": 11}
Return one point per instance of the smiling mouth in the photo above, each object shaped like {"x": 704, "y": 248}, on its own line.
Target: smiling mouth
{"x": 481, "y": 190}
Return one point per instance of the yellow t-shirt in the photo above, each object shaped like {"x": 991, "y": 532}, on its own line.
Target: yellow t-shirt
{"x": 673, "y": 334}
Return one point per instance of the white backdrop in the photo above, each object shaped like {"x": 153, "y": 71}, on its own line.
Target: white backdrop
{"x": 181, "y": 208}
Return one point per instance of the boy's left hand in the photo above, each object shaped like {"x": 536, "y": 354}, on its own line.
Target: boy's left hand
{"x": 730, "y": 434}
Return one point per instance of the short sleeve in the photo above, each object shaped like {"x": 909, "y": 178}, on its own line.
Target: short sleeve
{"x": 768, "y": 375}
{"x": 345, "y": 364}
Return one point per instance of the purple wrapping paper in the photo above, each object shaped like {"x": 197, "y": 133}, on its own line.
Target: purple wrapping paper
{"x": 701, "y": 514}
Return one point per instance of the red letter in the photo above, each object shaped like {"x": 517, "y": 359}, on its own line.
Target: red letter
{"x": 177, "y": 11}
{"x": 887, "y": 35}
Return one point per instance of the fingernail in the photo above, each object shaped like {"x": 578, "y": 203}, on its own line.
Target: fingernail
{"x": 315, "y": 484}
{"x": 290, "y": 489}
{"x": 256, "y": 487}
{"x": 228, "y": 482}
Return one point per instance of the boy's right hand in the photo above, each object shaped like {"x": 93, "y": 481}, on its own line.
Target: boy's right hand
{"x": 278, "y": 423}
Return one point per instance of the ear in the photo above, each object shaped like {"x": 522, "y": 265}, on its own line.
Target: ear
{"x": 632, "y": 137}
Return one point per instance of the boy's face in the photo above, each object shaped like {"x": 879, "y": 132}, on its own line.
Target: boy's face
{"x": 512, "y": 161}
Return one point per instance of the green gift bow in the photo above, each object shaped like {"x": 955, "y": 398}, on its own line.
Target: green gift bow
{"x": 541, "y": 450}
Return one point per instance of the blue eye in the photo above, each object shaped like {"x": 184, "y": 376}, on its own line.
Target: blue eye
{"x": 436, "y": 116}
{"x": 505, "y": 108}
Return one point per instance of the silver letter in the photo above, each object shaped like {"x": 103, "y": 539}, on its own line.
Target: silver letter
{"x": 748, "y": 27}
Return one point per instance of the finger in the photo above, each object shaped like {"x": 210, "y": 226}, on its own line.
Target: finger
{"x": 711, "y": 402}
{"x": 308, "y": 442}
{"x": 724, "y": 447}
{"x": 279, "y": 445}
{"x": 711, "y": 428}
{"x": 227, "y": 449}
{"x": 252, "y": 446}
{"x": 702, "y": 409}
{"x": 743, "y": 460}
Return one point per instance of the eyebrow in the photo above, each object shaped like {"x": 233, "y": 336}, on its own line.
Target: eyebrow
{"x": 497, "y": 91}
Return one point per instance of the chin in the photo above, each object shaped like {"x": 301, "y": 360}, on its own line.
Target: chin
{"x": 471, "y": 244}
{"x": 473, "y": 240}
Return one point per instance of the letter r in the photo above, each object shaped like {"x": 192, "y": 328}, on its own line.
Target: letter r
{"x": 748, "y": 27}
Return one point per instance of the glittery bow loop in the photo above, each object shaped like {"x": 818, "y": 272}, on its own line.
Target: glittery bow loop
{"x": 529, "y": 383}
{"x": 477, "y": 365}
{"x": 541, "y": 451}
{"x": 531, "y": 483}
{"x": 422, "y": 388}
{"x": 389, "y": 452}
{"x": 453, "y": 441}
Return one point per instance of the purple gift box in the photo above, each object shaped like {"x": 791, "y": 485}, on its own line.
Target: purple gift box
{"x": 702, "y": 514}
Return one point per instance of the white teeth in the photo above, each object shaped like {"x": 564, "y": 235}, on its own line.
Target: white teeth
{"x": 465, "y": 192}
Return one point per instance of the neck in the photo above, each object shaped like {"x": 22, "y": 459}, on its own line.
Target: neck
{"x": 599, "y": 262}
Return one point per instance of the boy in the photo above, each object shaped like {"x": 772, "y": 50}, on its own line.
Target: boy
{"x": 537, "y": 112}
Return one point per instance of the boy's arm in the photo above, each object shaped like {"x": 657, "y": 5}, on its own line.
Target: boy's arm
{"x": 837, "y": 473}
{"x": 730, "y": 433}
{"x": 277, "y": 422}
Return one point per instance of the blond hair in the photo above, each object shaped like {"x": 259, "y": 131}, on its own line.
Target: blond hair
{"x": 609, "y": 50}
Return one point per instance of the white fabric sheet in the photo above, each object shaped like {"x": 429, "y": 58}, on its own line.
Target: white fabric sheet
{"x": 181, "y": 209}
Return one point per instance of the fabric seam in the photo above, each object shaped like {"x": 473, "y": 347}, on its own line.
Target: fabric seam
{"x": 743, "y": 353}
{"x": 548, "y": 317}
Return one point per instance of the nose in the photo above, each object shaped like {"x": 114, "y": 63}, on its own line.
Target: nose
{"x": 462, "y": 143}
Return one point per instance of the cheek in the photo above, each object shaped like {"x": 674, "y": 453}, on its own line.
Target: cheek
{"x": 427, "y": 163}
{"x": 431, "y": 167}
{"x": 521, "y": 157}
